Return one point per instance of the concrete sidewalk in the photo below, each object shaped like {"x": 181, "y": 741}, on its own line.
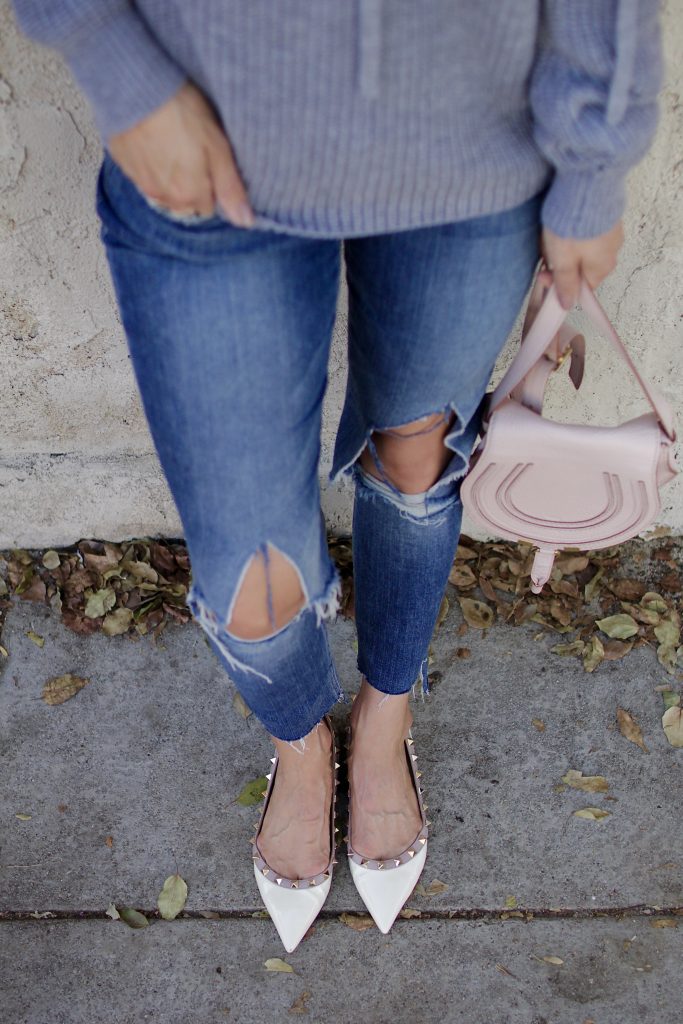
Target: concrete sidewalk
{"x": 136, "y": 777}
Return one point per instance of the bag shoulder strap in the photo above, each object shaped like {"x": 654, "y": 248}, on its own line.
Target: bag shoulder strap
{"x": 541, "y": 335}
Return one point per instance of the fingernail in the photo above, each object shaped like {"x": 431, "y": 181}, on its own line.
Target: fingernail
{"x": 243, "y": 215}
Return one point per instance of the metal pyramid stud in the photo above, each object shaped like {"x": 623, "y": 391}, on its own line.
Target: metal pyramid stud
{"x": 336, "y": 764}
{"x": 410, "y": 741}
{"x": 419, "y": 774}
{"x": 414, "y": 757}
{"x": 279, "y": 881}
{"x": 264, "y": 792}
{"x": 411, "y": 853}
{"x": 268, "y": 775}
{"x": 422, "y": 840}
{"x": 428, "y": 822}
{"x": 273, "y": 760}
{"x": 380, "y": 864}
{"x": 397, "y": 861}
{"x": 295, "y": 885}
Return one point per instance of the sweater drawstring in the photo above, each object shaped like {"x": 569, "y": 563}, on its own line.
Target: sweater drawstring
{"x": 626, "y": 41}
{"x": 369, "y": 46}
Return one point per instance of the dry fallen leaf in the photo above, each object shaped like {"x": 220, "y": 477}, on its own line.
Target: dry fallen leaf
{"x": 240, "y": 705}
{"x": 539, "y": 724}
{"x": 556, "y": 960}
{"x": 299, "y": 1004}
{"x": 616, "y": 649}
{"x": 23, "y": 817}
{"x": 51, "y": 559}
{"x": 443, "y": 612}
{"x": 410, "y": 912}
{"x": 462, "y": 576}
{"x": 564, "y": 650}
{"x": 100, "y": 602}
{"x": 629, "y": 728}
{"x": 476, "y": 613}
{"x": 672, "y": 721}
{"x": 133, "y": 918}
{"x": 252, "y": 792}
{"x": 593, "y": 654}
{"x": 58, "y": 689}
{"x": 586, "y": 783}
{"x": 357, "y": 922}
{"x": 435, "y": 887}
{"x": 117, "y": 622}
{"x": 172, "y": 897}
{"x": 592, "y": 813}
{"x": 38, "y": 640}
{"x": 618, "y": 627}
{"x": 275, "y": 963}
{"x": 112, "y": 912}
{"x": 464, "y": 553}
{"x": 664, "y": 922}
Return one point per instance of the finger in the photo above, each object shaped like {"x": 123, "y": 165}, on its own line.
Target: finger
{"x": 190, "y": 190}
{"x": 567, "y": 284}
{"x": 227, "y": 184}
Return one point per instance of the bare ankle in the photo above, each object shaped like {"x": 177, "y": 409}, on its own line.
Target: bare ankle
{"x": 309, "y": 748}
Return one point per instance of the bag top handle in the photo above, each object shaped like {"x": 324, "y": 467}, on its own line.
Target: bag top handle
{"x": 541, "y": 334}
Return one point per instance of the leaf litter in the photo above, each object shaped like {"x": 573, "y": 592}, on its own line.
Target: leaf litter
{"x": 607, "y": 602}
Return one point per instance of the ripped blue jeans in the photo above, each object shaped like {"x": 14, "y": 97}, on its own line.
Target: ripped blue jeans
{"x": 229, "y": 332}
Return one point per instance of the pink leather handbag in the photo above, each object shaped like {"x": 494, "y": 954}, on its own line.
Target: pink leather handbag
{"x": 558, "y": 485}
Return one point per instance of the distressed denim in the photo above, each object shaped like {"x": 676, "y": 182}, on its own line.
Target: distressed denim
{"x": 229, "y": 331}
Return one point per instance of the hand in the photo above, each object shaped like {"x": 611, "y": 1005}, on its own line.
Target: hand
{"x": 568, "y": 259}
{"x": 180, "y": 156}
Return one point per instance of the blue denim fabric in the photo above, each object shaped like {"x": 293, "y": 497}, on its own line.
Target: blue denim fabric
{"x": 229, "y": 331}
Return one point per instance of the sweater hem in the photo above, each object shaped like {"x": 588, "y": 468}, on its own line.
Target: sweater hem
{"x": 461, "y": 207}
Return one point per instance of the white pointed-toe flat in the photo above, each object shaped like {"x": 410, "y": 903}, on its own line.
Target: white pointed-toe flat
{"x": 294, "y": 903}
{"x": 385, "y": 885}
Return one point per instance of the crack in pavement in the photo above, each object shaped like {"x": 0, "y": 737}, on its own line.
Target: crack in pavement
{"x": 526, "y": 914}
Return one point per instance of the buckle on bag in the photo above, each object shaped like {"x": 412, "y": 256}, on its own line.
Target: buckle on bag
{"x": 562, "y": 358}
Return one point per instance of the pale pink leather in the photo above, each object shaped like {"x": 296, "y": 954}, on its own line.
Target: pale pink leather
{"x": 559, "y": 485}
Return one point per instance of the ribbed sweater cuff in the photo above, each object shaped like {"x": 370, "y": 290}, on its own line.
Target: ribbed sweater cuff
{"x": 123, "y": 71}
{"x": 583, "y": 204}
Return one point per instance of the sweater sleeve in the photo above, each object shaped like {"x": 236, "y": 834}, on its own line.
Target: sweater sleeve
{"x": 593, "y": 96}
{"x": 122, "y": 69}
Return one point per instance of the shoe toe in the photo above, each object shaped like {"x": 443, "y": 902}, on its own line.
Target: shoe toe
{"x": 385, "y": 892}
{"x": 292, "y": 911}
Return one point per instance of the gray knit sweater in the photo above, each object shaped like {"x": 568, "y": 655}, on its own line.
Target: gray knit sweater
{"x": 353, "y": 117}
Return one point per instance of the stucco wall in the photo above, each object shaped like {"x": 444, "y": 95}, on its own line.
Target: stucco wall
{"x": 76, "y": 458}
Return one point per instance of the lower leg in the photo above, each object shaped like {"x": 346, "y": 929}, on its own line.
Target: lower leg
{"x": 384, "y": 808}
{"x": 295, "y": 835}
{"x": 400, "y": 569}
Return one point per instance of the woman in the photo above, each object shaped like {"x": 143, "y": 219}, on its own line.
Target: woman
{"x": 442, "y": 147}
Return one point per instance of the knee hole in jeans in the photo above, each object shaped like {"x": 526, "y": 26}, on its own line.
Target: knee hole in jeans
{"x": 412, "y": 459}
{"x": 268, "y": 595}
